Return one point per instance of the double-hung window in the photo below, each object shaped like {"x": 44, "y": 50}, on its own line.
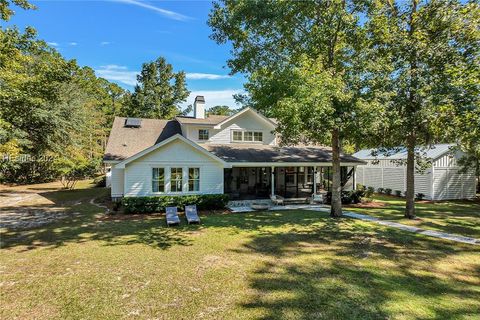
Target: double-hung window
{"x": 203, "y": 134}
{"x": 193, "y": 179}
{"x": 247, "y": 136}
{"x": 158, "y": 180}
{"x": 258, "y": 136}
{"x": 237, "y": 136}
{"x": 176, "y": 179}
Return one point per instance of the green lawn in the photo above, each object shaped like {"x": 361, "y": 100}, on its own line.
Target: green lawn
{"x": 267, "y": 265}
{"x": 461, "y": 217}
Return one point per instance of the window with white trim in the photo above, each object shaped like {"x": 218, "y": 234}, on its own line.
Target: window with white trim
{"x": 258, "y": 136}
{"x": 176, "y": 179}
{"x": 203, "y": 134}
{"x": 247, "y": 136}
{"x": 193, "y": 179}
{"x": 158, "y": 180}
{"x": 237, "y": 136}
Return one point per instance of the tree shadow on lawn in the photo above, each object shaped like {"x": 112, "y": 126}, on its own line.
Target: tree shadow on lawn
{"x": 335, "y": 271}
{"x": 87, "y": 227}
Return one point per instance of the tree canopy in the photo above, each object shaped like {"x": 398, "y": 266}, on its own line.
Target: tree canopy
{"x": 426, "y": 57}
{"x": 159, "y": 91}
{"x": 221, "y": 111}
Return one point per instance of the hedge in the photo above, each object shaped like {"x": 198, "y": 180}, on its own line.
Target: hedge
{"x": 158, "y": 203}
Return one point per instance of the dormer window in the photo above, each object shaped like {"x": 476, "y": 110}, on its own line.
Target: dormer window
{"x": 203, "y": 134}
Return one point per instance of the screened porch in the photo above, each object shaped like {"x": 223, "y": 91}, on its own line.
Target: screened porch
{"x": 293, "y": 182}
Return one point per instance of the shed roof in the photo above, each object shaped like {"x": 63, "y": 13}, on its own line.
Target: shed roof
{"x": 124, "y": 142}
{"x": 266, "y": 153}
{"x": 433, "y": 152}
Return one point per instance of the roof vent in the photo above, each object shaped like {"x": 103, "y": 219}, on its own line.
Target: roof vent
{"x": 133, "y": 123}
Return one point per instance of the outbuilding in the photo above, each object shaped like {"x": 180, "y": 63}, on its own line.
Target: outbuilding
{"x": 440, "y": 179}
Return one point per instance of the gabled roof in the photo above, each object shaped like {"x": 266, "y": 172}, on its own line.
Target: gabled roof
{"x": 167, "y": 141}
{"x": 272, "y": 154}
{"x": 125, "y": 142}
{"x": 267, "y": 120}
{"x": 434, "y": 152}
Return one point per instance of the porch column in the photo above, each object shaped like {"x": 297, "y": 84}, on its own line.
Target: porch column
{"x": 354, "y": 182}
{"x": 272, "y": 181}
{"x": 314, "y": 179}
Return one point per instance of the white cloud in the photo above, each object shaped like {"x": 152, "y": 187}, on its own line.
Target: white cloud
{"x": 206, "y": 76}
{"x": 72, "y": 44}
{"x": 166, "y": 13}
{"x": 55, "y": 44}
{"x": 118, "y": 73}
{"x": 104, "y": 43}
{"x": 214, "y": 97}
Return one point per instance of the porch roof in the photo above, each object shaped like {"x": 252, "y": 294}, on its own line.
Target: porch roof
{"x": 249, "y": 153}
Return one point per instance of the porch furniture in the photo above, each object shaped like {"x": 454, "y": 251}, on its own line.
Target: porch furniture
{"x": 172, "y": 216}
{"x": 191, "y": 214}
{"x": 318, "y": 198}
{"x": 277, "y": 200}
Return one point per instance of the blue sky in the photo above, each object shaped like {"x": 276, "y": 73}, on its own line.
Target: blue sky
{"x": 115, "y": 37}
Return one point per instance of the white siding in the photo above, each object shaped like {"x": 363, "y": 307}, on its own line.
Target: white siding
{"x": 178, "y": 154}
{"x": 246, "y": 121}
{"x": 449, "y": 183}
{"x": 117, "y": 179}
{"x": 393, "y": 177}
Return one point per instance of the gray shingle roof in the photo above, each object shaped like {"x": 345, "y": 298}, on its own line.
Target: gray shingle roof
{"x": 266, "y": 153}
{"x": 434, "y": 152}
{"x": 125, "y": 142}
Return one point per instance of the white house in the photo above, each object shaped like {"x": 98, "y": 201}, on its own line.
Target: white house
{"x": 441, "y": 180}
{"x": 238, "y": 155}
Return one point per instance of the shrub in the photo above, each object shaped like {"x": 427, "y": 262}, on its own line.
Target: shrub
{"x": 380, "y": 190}
{"x": 388, "y": 191}
{"x": 348, "y": 197}
{"x": 369, "y": 192}
{"x": 420, "y": 196}
{"x": 100, "y": 182}
{"x": 398, "y": 193}
{"x": 158, "y": 203}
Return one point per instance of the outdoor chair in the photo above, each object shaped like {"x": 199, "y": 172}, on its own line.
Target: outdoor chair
{"x": 172, "y": 216}
{"x": 277, "y": 200}
{"x": 191, "y": 214}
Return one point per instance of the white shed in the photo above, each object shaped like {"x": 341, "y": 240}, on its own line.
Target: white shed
{"x": 440, "y": 181}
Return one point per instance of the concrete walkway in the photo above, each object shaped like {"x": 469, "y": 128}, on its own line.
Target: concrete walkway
{"x": 431, "y": 233}
{"x": 324, "y": 208}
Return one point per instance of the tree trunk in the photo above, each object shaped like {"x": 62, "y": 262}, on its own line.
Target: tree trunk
{"x": 410, "y": 194}
{"x": 336, "y": 209}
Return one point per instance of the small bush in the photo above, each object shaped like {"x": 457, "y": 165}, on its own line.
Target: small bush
{"x": 369, "y": 192}
{"x": 420, "y": 196}
{"x": 388, "y": 191}
{"x": 100, "y": 182}
{"x": 348, "y": 197}
{"x": 158, "y": 203}
{"x": 398, "y": 193}
{"x": 381, "y": 190}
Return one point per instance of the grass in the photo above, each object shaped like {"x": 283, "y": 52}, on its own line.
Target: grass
{"x": 460, "y": 217}
{"x": 265, "y": 265}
